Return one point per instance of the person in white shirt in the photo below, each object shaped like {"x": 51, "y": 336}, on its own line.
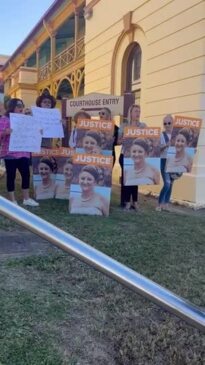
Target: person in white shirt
{"x": 73, "y": 136}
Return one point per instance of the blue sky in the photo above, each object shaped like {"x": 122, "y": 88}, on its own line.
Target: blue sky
{"x": 17, "y": 19}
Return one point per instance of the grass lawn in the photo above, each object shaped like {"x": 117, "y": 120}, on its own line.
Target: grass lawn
{"x": 56, "y": 310}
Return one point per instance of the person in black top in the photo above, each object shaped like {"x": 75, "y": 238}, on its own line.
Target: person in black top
{"x": 105, "y": 113}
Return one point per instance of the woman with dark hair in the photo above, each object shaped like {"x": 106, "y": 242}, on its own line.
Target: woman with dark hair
{"x": 63, "y": 188}
{"x": 129, "y": 194}
{"x": 142, "y": 172}
{"x": 92, "y": 142}
{"x": 15, "y": 160}
{"x": 47, "y": 187}
{"x": 45, "y": 100}
{"x": 181, "y": 161}
{"x": 89, "y": 202}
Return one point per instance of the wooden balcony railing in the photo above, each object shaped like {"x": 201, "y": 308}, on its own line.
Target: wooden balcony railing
{"x": 44, "y": 71}
{"x": 80, "y": 47}
{"x": 63, "y": 59}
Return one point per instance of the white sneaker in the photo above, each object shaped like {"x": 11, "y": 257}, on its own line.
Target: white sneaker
{"x": 30, "y": 202}
{"x": 15, "y": 202}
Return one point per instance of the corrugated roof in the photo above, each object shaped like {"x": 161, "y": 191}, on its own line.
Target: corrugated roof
{"x": 3, "y": 59}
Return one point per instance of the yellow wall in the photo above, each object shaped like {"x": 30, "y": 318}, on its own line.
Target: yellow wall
{"x": 171, "y": 34}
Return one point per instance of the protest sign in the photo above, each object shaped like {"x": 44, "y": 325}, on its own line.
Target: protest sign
{"x": 52, "y": 173}
{"x": 94, "y": 136}
{"x": 50, "y": 121}
{"x": 141, "y": 148}
{"x": 90, "y": 189}
{"x": 26, "y": 134}
{"x": 183, "y": 144}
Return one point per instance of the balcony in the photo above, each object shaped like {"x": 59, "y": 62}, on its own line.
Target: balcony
{"x": 63, "y": 59}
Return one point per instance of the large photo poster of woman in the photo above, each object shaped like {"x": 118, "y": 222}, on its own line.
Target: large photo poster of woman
{"x": 94, "y": 136}
{"x": 90, "y": 189}
{"x": 183, "y": 144}
{"x": 141, "y": 148}
{"x": 52, "y": 173}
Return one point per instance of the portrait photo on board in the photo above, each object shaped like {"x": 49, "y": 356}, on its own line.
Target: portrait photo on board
{"x": 52, "y": 173}
{"x": 183, "y": 144}
{"x": 141, "y": 156}
{"x": 94, "y": 136}
{"x": 90, "y": 189}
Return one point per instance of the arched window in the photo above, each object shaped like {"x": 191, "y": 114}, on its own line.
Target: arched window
{"x": 64, "y": 90}
{"x": 133, "y": 70}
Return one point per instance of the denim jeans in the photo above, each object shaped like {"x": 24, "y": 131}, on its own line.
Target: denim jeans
{"x": 165, "y": 193}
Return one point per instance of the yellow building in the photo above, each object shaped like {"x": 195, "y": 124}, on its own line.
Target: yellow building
{"x": 156, "y": 49}
{"x": 51, "y": 56}
{"x": 152, "y": 48}
{"x": 3, "y": 60}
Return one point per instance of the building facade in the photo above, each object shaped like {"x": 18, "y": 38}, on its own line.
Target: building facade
{"x": 3, "y": 60}
{"x": 156, "y": 49}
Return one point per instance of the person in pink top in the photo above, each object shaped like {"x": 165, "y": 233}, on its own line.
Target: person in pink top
{"x": 15, "y": 160}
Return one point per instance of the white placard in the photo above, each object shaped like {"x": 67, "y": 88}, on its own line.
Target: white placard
{"x": 50, "y": 120}
{"x": 26, "y": 135}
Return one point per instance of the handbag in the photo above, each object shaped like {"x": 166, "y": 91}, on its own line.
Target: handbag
{"x": 2, "y": 165}
{"x": 2, "y": 168}
{"x": 175, "y": 175}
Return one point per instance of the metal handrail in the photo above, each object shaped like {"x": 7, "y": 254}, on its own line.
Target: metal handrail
{"x": 129, "y": 278}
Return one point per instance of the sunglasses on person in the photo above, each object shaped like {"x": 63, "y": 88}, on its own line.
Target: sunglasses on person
{"x": 167, "y": 123}
{"x": 19, "y": 105}
{"x": 102, "y": 113}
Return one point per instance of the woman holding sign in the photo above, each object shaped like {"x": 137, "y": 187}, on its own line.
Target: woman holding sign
{"x": 15, "y": 160}
{"x": 89, "y": 202}
{"x": 165, "y": 138}
{"x": 45, "y": 100}
{"x": 105, "y": 114}
{"x": 73, "y": 136}
{"x": 129, "y": 193}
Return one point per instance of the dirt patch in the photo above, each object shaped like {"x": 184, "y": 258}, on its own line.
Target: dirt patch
{"x": 21, "y": 243}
